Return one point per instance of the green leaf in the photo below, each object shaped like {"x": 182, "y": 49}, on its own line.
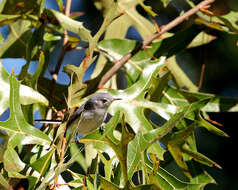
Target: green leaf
{"x": 27, "y": 94}
{"x": 164, "y": 180}
{"x": 79, "y": 158}
{"x": 165, "y": 2}
{"x": 77, "y": 88}
{"x": 221, "y": 104}
{"x": 115, "y": 49}
{"x": 19, "y": 131}
{"x": 8, "y": 19}
{"x": 134, "y": 103}
{"x": 211, "y": 128}
{"x": 20, "y": 7}
{"x": 180, "y": 77}
{"x": 157, "y": 134}
{"x": 3, "y": 182}
{"x": 184, "y": 97}
{"x": 32, "y": 181}
{"x": 71, "y": 25}
{"x": 230, "y": 20}
{"x": 16, "y": 43}
{"x": 199, "y": 157}
{"x": 131, "y": 17}
{"x": 148, "y": 9}
{"x": 43, "y": 86}
{"x": 140, "y": 143}
{"x": 201, "y": 39}
{"x": 11, "y": 160}
{"x": 51, "y": 37}
{"x": 60, "y": 5}
{"x": 34, "y": 45}
{"x": 42, "y": 164}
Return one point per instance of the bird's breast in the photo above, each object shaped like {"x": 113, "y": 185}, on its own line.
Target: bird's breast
{"x": 90, "y": 121}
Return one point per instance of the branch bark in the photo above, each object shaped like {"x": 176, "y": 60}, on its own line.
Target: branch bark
{"x": 146, "y": 42}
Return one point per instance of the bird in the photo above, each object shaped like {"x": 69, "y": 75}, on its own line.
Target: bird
{"x": 89, "y": 116}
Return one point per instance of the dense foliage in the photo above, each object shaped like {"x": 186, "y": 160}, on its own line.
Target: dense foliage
{"x": 149, "y": 142}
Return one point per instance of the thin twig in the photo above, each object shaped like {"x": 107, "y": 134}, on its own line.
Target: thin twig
{"x": 65, "y": 44}
{"x": 67, "y": 13}
{"x": 55, "y": 76}
{"x": 145, "y": 43}
{"x": 203, "y": 55}
{"x": 201, "y": 76}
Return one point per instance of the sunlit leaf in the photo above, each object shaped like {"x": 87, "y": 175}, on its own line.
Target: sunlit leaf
{"x": 51, "y": 37}
{"x": 201, "y": 39}
{"x": 71, "y": 25}
{"x": 42, "y": 164}
{"x": 16, "y": 127}
{"x": 27, "y": 94}
{"x": 20, "y": 7}
{"x": 77, "y": 88}
{"x": 4, "y": 182}
{"x": 12, "y": 162}
{"x": 16, "y": 43}
{"x": 8, "y": 19}
{"x": 230, "y": 20}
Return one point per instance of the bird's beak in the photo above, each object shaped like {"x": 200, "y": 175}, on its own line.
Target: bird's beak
{"x": 114, "y": 99}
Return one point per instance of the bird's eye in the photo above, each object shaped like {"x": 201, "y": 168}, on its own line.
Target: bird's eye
{"x": 104, "y": 100}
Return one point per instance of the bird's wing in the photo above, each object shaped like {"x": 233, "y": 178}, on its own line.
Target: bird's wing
{"x": 75, "y": 115}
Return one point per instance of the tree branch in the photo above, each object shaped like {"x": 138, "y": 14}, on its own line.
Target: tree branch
{"x": 146, "y": 42}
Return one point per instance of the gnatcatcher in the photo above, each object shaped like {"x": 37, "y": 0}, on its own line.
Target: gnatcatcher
{"x": 90, "y": 115}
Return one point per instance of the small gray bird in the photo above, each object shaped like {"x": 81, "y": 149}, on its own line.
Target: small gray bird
{"x": 90, "y": 115}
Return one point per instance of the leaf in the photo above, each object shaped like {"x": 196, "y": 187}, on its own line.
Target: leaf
{"x": 71, "y": 25}
{"x": 3, "y": 182}
{"x": 51, "y": 37}
{"x": 164, "y": 180}
{"x": 115, "y": 49}
{"x": 201, "y": 39}
{"x": 141, "y": 142}
{"x": 27, "y": 94}
{"x": 32, "y": 181}
{"x": 120, "y": 26}
{"x": 60, "y": 5}
{"x": 230, "y": 20}
{"x": 199, "y": 157}
{"x": 133, "y": 103}
{"x": 33, "y": 46}
{"x": 8, "y": 19}
{"x": 180, "y": 77}
{"x": 20, "y": 7}
{"x": 108, "y": 165}
{"x": 19, "y": 131}
{"x": 184, "y": 97}
{"x": 148, "y": 9}
{"x": 157, "y": 134}
{"x": 42, "y": 164}
{"x": 16, "y": 43}
{"x": 12, "y": 162}
{"x": 43, "y": 86}
{"x": 77, "y": 88}
{"x": 211, "y": 128}
{"x": 131, "y": 17}
{"x": 80, "y": 158}
{"x": 221, "y": 104}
